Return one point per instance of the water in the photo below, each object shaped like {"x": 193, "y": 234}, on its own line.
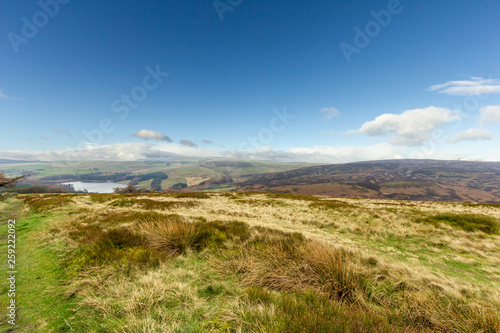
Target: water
{"x": 95, "y": 187}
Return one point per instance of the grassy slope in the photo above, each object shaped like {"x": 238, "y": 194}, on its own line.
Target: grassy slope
{"x": 401, "y": 256}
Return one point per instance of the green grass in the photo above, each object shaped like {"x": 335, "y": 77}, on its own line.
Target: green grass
{"x": 307, "y": 311}
{"x": 41, "y": 204}
{"x": 167, "y": 183}
{"x": 467, "y": 222}
{"x": 222, "y": 189}
{"x": 145, "y": 184}
{"x": 39, "y": 279}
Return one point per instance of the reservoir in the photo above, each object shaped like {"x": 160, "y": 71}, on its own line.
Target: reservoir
{"x": 95, "y": 187}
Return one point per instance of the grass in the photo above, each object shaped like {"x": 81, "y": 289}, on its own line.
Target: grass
{"x": 174, "y": 236}
{"x": 39, "y": 279}
{"x": 298, "y": 312}
{"x": 254, "y": 262}
{"x": 467, "y": 222}
{"x": 153, "y": 204}
{"x": 41, "y": 204}
{"x": 331, "y": 204}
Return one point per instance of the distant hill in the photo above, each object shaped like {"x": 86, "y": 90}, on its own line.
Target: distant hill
{"x": 6, "y": 160}
{"x": 427, "y": 180}
{"x": 187, "y": 173}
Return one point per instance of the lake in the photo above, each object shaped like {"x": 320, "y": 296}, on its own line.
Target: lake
{"x": 95, "y": 187}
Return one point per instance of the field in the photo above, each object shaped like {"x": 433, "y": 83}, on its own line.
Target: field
{"x": 211, "y": 173}
{"x": 252, "y": 262}
{"x": 417, "y": 180}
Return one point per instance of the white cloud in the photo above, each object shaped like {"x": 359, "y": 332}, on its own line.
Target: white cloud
{"x": 127, "y": 151}
{"x": 330, "y": 113}
{"x": 131, "y": 151}
{"x": 473, "y": 87}
{"x": 2, "y": 95}
{"x": 151, "y": 135}
{"x": 490, "y": 114}
{"x": 320, "y": 154}
{"x": 411, "y": 128}
{"x": 346, "y": 154}
{"x": 472, "y": 134}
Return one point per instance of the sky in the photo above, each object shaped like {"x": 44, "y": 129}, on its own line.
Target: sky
{"x": 289, "y": 81}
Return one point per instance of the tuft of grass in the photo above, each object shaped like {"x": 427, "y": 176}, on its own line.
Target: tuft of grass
{"x": 467, "y": 222}
{"x": 173, "y": 235}
{"x": 291, "y": 264}
{"x": 41, "y": 204}
{"x": 119, "y": 247}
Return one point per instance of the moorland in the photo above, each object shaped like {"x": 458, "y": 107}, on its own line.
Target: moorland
{"x": 252, "y": 262}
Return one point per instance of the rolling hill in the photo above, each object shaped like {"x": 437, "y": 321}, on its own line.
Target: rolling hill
{"x": 427, "y": 180}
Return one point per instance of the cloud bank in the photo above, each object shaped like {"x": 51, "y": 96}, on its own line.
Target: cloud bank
{"x": 127, "y": 151}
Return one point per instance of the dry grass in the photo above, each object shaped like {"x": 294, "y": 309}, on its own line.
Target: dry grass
{"x": 172, "y": 236}
{"x": 363, "y": 285}
{"x": 310, "y": 261}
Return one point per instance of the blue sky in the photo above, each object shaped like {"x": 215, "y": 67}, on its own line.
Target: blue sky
{"x": 322, "y": 81}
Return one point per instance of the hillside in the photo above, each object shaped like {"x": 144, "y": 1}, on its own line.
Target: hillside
{"x": 429, "y": 180}
{"x": 426, "y": 180}
{"x": 195, "y": 173}
{"x": 243, "y": 262}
